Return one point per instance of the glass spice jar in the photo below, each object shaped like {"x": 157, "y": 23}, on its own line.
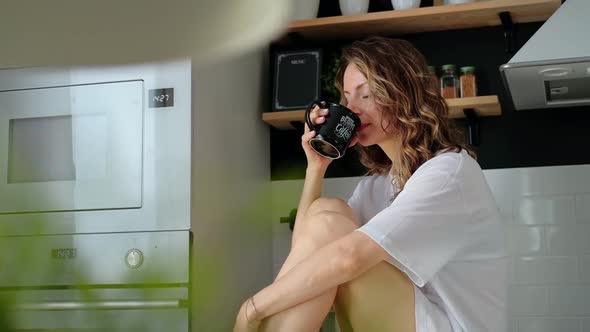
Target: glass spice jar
{"x": 449, "y": 82}
{"x": 468, "y": 85}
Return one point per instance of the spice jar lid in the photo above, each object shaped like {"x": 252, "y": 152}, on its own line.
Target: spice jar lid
{"x": 469, "y": 69}
{"x": 448, "y": 67}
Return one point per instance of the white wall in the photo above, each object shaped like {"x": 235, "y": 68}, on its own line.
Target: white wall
{"x": 547, "y": 214}
{"x": 231, "y": 182}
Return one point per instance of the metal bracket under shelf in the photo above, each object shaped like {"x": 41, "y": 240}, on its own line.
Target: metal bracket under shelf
{"x": 472, "y": 126}
{"x": 508, "y": 25}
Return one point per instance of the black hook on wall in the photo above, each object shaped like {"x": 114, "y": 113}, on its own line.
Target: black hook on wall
{"x": 290, "y": 219}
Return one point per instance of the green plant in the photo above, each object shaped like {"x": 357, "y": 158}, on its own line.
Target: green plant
{"x": 329, "y": 70}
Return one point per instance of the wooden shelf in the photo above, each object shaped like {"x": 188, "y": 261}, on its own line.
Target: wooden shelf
{"x": 437, "y": 18}
{"x": 483, "y": 106}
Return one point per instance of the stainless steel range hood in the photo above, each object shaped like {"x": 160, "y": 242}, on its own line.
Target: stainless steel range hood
{"x": 553, "y": 68}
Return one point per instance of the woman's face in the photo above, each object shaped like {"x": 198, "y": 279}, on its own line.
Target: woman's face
{"x": 359, "y": 99}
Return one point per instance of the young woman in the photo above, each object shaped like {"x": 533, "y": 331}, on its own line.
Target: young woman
{"x": 419, "y": 244}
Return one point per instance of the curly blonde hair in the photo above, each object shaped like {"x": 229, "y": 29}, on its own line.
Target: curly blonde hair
{"x": 403, "y": 89}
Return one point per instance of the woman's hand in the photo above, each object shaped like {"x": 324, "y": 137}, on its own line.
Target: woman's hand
{"x": 314, "y": 159}
{"x": 246, "y": 322}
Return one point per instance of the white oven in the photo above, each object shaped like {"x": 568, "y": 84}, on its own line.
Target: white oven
{"x": 95, "y": 149}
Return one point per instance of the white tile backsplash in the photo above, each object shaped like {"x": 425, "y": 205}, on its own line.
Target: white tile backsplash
{"x": 547, "y": 213}
{"x": 583, "y": 208}
{"x": 570, "y": 300}
{"x": 538, "y": 324}
{"x": 571, "y": 239}
{"x": 546, "y": 270}
{"x": 560, "y": 240}
{"x": 501, "y": 187}
{"x": 512, "y": 324}
{"x": 585, "y": 269}
{"x": 528, "y": 300}
{"x": 526, "y": 240}
{"x": 543, "y": 210}
{"x": 552, "y": 180}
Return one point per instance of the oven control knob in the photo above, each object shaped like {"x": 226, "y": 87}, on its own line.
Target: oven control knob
{"x": 134, "y": 258}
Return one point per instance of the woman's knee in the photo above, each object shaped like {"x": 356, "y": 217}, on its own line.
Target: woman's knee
{"x": 325, "y": 227}
{"x": 323, "y": 204}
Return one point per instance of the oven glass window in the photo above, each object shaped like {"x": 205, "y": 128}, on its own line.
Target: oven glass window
{"x": 71, "y": 148}
{"x": 29, "y": 159}
{"x": 57, "y": 148}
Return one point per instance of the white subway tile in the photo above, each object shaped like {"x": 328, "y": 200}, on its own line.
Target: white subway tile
{"x": 501, "y": 183}
{"x": 528, "y": 300}
{"x": 541, "y": 270}
{"x": 571, "y": 239}
{"x": 507, "y": 217}
{"x": 583, "y": 208}
{"x": 512, "y": 324}
{"x": 561, "y": 240}
{"x": 585, "y": 268}
{"x": 582, "y": 238}
{"x": 545, "y": 210}
{"x": 554, "y": 180}
{"x": 569, "y": 300}
{"x": 511, "y": 268}
{"x": 538, "y": 324}
{"x": 526, "y": 240}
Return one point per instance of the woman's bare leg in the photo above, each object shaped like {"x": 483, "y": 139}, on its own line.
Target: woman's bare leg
{"x": 382, "y": 299}
{"x": 320, "y": 226}
{"x": 307, "y": 230}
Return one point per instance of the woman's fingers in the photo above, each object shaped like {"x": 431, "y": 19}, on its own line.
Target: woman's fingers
{"x": 307, "y": 136}
{"x": 318, "y": 115}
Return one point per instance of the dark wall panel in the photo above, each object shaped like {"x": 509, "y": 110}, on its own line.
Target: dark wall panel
{"x": 558, "y": 136}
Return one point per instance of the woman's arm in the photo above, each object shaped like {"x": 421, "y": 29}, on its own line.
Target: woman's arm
{"x": 332, "y": 265}
{"x": 316, "y": 168}
{"x": 312, "y": 190}
{"x": 314, "y": 174}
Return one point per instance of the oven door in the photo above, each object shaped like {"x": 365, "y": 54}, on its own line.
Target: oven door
{"x": 65, "y": 148}
{"x": 147, "y": 309}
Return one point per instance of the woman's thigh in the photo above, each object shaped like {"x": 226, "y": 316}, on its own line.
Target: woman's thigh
{"x": 382, "y": 299}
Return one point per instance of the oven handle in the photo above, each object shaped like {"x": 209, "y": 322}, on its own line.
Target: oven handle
{"x": 103, "y": 305}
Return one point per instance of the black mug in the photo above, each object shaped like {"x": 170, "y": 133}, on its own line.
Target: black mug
{"x": 334, "y": 135}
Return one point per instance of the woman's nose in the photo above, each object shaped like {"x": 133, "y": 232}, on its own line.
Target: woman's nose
{"x": 353, "y": 107}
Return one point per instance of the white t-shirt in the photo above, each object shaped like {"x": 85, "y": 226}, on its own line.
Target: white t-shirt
{"x": 445, "y": 232}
